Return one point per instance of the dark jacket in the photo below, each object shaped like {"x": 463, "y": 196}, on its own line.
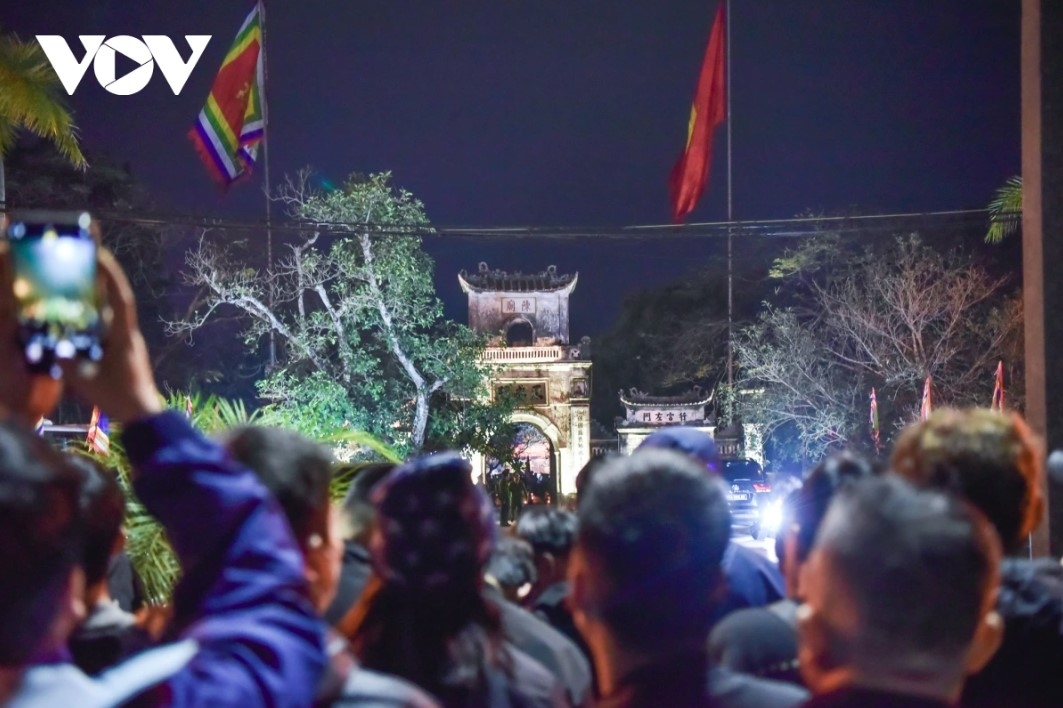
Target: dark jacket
{"x": 761, "y": 641}
{"x": 1027, "y": 670}
{"x": 354, "y": 576}
{"x": 107, "y": 636}
{"x": 557, "y": 654}
{"x": 345, "y": 683}
{"x": 688, "y": 681}
{"x": 852, "y": 697}
{"x": 551, "y": 606}
{"x": 752, "y": 580}
{"x": 123, "y": 583}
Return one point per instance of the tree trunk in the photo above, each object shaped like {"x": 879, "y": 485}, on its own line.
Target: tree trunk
{"x": 420, "y": 416}
{"x": 420, "y": 421}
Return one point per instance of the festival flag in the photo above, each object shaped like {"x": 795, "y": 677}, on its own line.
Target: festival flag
{"x": 873, "y": 420}
{"x": 691, "y": 172}
{"x": 927, "y": 405}
{"x": 998, "y": 389}
{"x": 97, "y": 439}
{"x": 231, "y": 125}
{"x": 39, "y": 428}
{"x": 188, "y": 408}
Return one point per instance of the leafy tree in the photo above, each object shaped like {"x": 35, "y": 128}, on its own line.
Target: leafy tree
{"x": 363, "y": 341}
{"x": 30, "y": 100}
{"x": 847, "y": 317}
{"x": 1005, "y": 211}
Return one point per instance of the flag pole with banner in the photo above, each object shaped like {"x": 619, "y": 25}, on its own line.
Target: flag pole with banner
{"x": 265, "y": 173}
{"x": 998, "y": 389}
{"x": 927, "y": 405}
{"x": 691, "y": 172}
{"x": 230, "y": 126}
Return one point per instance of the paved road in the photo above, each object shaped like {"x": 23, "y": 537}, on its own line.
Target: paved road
{"x": 764, "y": 545}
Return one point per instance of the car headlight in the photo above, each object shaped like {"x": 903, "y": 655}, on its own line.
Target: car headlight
{"x": 771, "y": 517}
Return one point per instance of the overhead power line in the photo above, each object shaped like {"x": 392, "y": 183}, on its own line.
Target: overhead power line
{"x": 794, "y": 227}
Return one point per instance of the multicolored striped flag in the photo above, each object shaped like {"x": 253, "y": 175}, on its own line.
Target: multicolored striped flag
{"x": 188, "y": 408}
{"x": 709, "y": 109}
{"x": 230, "y": 127}
{"x": 927, "y": 406}
{"x": 998, "y": 389}
{"x": 873, "y": 419}
{"x": 99, "y": 427}
{"x": 39, "y": 428}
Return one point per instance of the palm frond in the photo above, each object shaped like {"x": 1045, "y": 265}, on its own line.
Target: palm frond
{"x": 214, "y": 414}
{"x": 1005, "y": 211}
{"x": 146, "y": 542}
{"x": 360, "y": 438}
{"x": 30, "y": 99}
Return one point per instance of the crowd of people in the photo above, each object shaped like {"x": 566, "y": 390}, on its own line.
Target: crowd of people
{"x": 904, "y": 586}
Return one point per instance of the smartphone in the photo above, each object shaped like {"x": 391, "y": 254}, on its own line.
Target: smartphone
{"x": 54, "y": 277}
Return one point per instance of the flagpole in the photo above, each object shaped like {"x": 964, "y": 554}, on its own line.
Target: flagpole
{"x": 265, "y": 174}
{"x": 730, "y": 218}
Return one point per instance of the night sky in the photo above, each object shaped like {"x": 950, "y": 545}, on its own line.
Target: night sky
{"x": 571, "y": 112}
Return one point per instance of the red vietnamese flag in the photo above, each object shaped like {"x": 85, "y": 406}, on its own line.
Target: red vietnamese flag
{"x": 691, "y": 171}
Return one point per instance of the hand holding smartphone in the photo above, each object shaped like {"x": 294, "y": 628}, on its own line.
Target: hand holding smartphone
{"x": 53, "y": 261}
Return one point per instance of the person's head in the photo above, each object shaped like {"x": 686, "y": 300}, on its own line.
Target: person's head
{"x": 512, "y": 567}
{"x": 646, "y": 563}
{"x": 41, "y": 541}
{"x": 358, "y": 511}
{"x": 899, "y": 592}
{"x": 805, "y": 511}
{"x": 435, "y": 529}
{"x": 102, "y": 511}
{"x": 423, "y": 612}
{"x": 990, "y": 458}
{"x": 688, "y": 441}
{"x": 587, "y": 472}
{"x": 297, "y": 471}
{"x": 551, "y": 533}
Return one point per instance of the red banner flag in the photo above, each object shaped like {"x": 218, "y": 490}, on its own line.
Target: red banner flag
{"x": 691, "y": 171}
{"x": 927, "y": 406}
{"x": 998, "y": 389}
{"x": 98, "y": 438}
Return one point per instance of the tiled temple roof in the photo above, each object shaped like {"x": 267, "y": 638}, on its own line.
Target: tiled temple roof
{"x": 693, "y": 397}
{"x": 488, "y": 280}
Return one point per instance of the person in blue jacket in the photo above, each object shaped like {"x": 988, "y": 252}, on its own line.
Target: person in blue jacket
{"x": 244, "y": 632}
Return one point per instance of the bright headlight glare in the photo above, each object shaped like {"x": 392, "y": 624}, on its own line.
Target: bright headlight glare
{"x": 771, "y": 517}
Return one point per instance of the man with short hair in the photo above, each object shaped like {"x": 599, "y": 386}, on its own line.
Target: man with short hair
{"x": 511, "y": 567}
{"x": 645, "y": 567}
{"x": 357, "y": 522}
{"x": 899, "y": 593}
{"x": 752, "y": 579}
{"x": 108, "y": 633}
{"x": 297, "y": 471}
{"x": 551, "y": 533}
{"x": 994, "y": 461}
{"x": 763, "y": 640}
